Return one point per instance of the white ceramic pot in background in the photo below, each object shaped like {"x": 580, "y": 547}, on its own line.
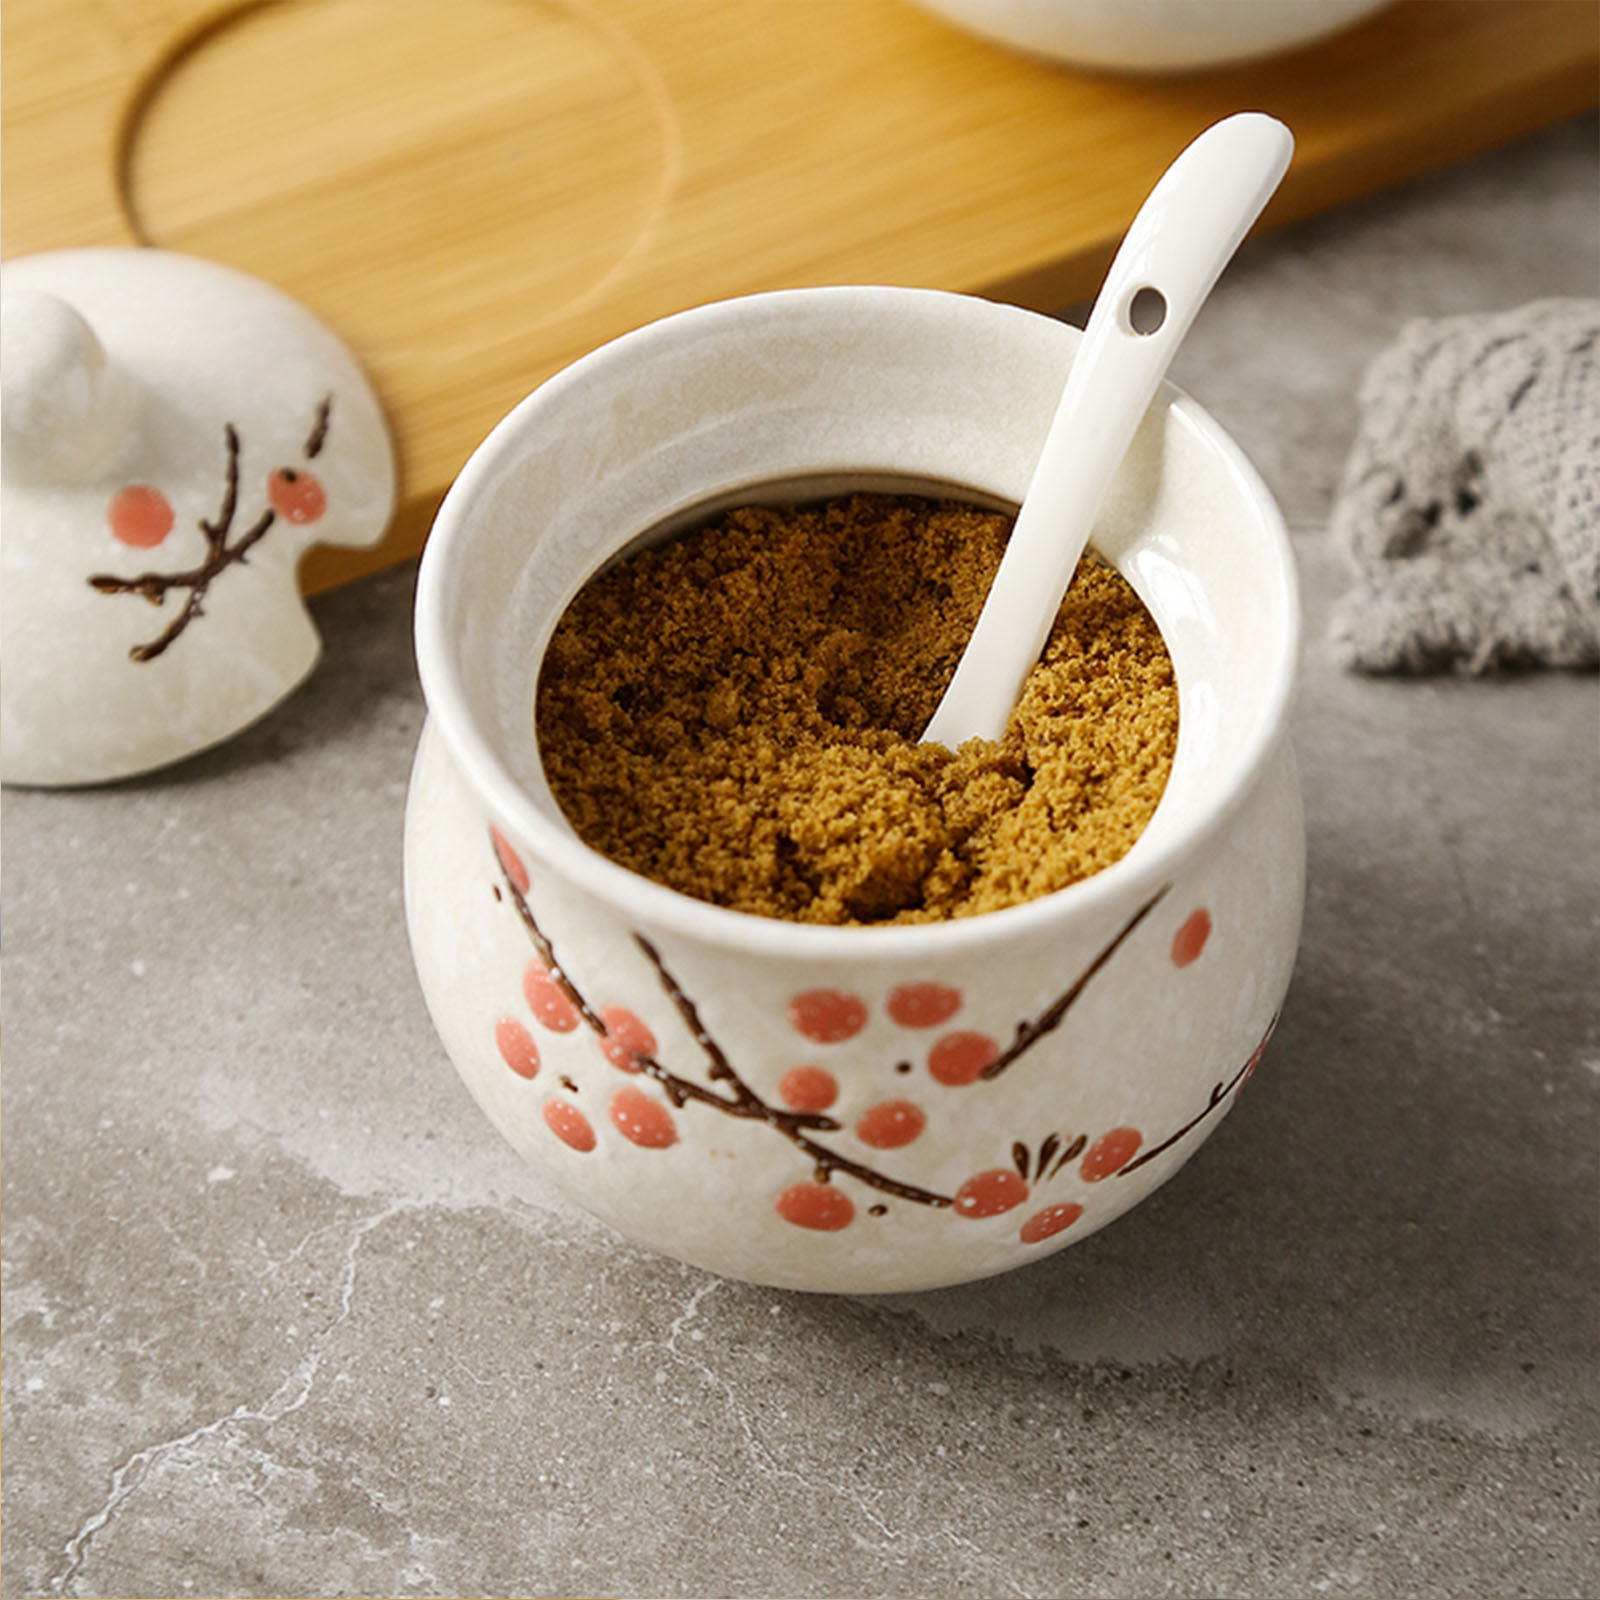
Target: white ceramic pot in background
{"x": 1154, "y": 35}
{"x": 847, "y": 1108}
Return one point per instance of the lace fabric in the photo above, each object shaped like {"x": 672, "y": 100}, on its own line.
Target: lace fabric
{"x": 1470, "y": 503}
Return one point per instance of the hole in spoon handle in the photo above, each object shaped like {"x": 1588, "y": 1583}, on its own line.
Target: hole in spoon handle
{"x": 1145, "y": 311}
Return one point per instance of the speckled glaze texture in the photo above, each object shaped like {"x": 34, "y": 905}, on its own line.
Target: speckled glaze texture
{"x": 177, "y": 435}
{"x": 847, "y": 1109}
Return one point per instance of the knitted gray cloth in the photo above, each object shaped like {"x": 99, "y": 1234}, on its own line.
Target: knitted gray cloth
{"x": 1470, "y": 505}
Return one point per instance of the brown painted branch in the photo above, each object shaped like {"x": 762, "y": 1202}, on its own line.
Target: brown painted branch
{"x": 789, "y": 1123}
{"x": 319, "y": 429}
{"x": 1030, "y": 1033}
{"x": 744, "y": 1102}
{"x": 1218, "y": 1094}
{"x": 216, "y": 531}
{"x": 721, "y": 1069}
{"x": 220, "y": 555}
{"x": 678, "y": 1089}
{"x": 155, "y": 586}
{"x": 547, "y": 955}
{"x": 1071, "y": 1153}
{"x": 796, "y": 1126}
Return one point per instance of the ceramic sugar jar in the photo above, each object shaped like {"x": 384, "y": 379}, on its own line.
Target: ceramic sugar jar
{"x": 854, "y": 1108}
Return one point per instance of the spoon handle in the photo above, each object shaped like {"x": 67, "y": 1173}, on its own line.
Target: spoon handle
{"x": 1171, "y": 256}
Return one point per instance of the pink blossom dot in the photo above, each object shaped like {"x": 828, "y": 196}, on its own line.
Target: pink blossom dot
{"x": 960, "y": 1058}
{"x": 827, "y": 1016}
{"x": 641, "y": 1120}
{"x": 808, "y": 1089}
{"x": 1190, "y": 939}
{"x": 1049, "y": 1222}
{"x": 1110, "y": 1153}
{"x": 509, "y": 860}
{"x": 140, "y": 516}
{"x": 923, "y": 1005}
{"x": 891, "y": 1124}
{"x": 296, "y": 495}
{"x": 516, "y": 1047}
{"x": 569, "y": 1125}
{"x": 987, "y": 1194}
{"x": 819, "y": 1206}
{"x": 547, "y": 1000}
{"x": 626, "y": 1038}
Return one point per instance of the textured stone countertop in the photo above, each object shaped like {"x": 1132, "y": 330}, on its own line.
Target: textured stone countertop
{"x": 283, "y": 1316}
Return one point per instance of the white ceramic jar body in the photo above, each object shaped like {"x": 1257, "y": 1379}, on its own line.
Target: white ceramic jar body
{"x": 847, "y": 1109}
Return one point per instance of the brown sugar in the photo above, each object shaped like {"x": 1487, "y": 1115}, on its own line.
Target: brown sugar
{"x": 734, "y": 713}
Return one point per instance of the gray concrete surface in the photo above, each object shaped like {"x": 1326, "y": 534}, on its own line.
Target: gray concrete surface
{"x": 282, "y": 1316}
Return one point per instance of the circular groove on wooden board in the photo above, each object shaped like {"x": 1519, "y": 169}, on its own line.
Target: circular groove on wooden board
{"x": 429, "y": 178}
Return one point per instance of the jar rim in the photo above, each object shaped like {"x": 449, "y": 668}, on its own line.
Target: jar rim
{"x": 1137, "y": 875}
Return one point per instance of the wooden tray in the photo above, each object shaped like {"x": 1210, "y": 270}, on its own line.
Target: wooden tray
{"x": 475, "y": 193}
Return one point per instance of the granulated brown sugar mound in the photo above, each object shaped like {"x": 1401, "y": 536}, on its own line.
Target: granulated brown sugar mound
{"x": 734, "y": 714}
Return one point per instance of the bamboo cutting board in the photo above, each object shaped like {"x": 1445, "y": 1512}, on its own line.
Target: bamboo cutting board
{"x": 473, "y": 194}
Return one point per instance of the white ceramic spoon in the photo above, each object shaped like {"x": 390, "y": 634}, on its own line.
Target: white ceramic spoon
{"x": 1182, "y": 238}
